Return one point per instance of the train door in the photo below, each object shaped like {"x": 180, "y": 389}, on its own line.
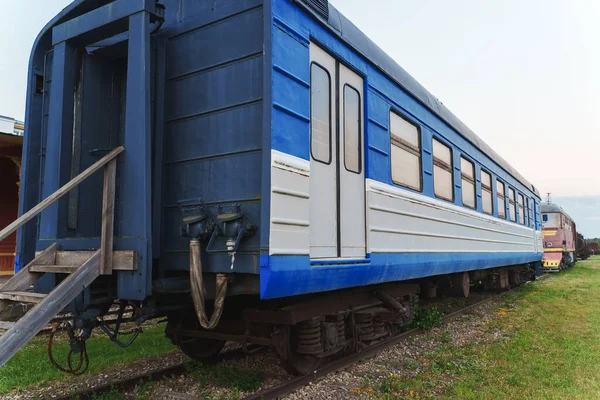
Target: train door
{"x": 337, "y": 179}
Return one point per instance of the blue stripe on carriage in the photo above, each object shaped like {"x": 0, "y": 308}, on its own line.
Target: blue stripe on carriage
{"x": 283, "y": 276}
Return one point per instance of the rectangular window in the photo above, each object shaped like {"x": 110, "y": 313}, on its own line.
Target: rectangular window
{"x": 551, "y": 220}
{"x": 521, "y": 210}
{"x": 352, "y": 121}
{"x": 405, "y": 152}
{"x": 500, "y": 200}
{"x": 467, "y": 171}
{"x": 512, "y": 206}
{"x": 486, "y": 193}
{"x": 442, "y": 171}
{"x": 530, "y": 212}
{"x": 320, "y": 114}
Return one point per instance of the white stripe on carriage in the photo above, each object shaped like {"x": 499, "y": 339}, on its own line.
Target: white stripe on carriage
{"x": 446, "y": 221}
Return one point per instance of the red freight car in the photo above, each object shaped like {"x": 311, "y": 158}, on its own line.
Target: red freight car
{"x": 560, "y": 237}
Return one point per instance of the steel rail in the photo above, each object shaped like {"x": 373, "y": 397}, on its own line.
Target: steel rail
{"x": 287, "y": 387}
{"x": 283, "y": 388}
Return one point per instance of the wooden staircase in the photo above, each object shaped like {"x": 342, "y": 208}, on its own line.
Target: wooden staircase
{"x": 81, "y": 267}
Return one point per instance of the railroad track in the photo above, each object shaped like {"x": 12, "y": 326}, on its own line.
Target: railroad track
{"x": 151, "y": 376}
{"x": 291, "y": 385}
{"x": 278, "y": 390}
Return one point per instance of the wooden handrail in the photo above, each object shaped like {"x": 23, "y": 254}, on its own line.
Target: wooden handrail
{"x": 48, "y": 201}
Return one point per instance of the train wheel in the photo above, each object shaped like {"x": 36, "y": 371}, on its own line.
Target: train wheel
{"x": 461, "y": 284}
{"x": 199, "y": 349}
{"x": 294, "y": 362}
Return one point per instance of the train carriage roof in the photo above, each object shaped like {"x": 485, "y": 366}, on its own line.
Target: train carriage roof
{"x": 553, "y": 208}
{"x": 365, "y": 46}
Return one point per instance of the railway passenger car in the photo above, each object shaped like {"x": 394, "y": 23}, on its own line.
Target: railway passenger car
{"x": 583, "y": 247}
{"x": 594, "y": 246}
{"x": 560, "y": 237}
{"x": 271, "y": 151}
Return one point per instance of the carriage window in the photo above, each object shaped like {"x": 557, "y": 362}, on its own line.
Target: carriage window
{"x": 406, "y": 152}
{"x": 352, "y": 129}
{"x": 530, "y": 211}
{"x": 320, "y": 114}
{"x": 501, "y": 200}
{"x": 467, "y": 170}
{"x": 512, "y": 208}
{"x": 521, "y": 210}
{"x": 486, "y": 193}
{"x": 442, "y": 171}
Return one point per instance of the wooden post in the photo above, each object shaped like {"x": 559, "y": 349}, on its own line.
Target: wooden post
{"x": 108, "y": 218}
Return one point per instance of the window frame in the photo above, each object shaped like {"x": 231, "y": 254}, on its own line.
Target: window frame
{"x": 491, "y": 190}
{"x": 450, "y": 168}
{"x": 512, "y": 201}
{"x": 471, "y": 180}
{"x": 402, "y": 144}
{"x": 520, "y": 206}
{"x": 314, "y": 63}
{"x": 499, "y": 181}
{"x": 360, "y": 130}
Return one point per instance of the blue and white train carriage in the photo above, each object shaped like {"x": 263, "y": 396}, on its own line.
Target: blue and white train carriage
{"x": 316, "y": 182}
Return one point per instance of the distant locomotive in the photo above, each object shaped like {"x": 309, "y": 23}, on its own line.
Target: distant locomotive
{"x": 268, "y": 149}
{"x": 560, "y": 238}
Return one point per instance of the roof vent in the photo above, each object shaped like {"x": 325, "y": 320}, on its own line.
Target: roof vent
{"x": 320, "y": 6}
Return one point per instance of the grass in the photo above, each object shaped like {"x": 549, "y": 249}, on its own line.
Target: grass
{"x": 30, "y": 366}
{"x": 547, "y": 347}
{"x": 224, "y": 377}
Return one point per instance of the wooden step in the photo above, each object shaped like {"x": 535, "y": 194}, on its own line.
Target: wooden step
{"x": 22, "y": 297}
{"x": 123, "y": 260}
{"x": 5, "y": 325}
{"x": 55, "y": 269}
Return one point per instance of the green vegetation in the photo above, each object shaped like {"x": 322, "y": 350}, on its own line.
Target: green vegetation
{"x": 224, "y": 377}
{"x": 30, "y": 366}
{"x": 546, "y": 346}
{"x": 425, "y": 318}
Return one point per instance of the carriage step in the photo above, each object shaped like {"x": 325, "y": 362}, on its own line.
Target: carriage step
{"x": 6, "y": 325}
{"x": 67, "y": 262}
{"x": 55, "y": 269}
{"x": 22, "y": 297}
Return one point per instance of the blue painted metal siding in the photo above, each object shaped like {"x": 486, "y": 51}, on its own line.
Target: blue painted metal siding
{"x": 213, "y": 132}
{"x": 292, "y": 31}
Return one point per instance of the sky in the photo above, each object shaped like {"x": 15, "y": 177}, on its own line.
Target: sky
{"x": 524, "y": 75}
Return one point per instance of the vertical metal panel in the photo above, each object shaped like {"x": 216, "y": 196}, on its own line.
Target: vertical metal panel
{"x": 214, "y": 131}
{"x": 135, "y": 169}
{"x": 58, "y": 143}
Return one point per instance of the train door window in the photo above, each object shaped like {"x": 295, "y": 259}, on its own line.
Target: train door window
{"x": 442, "y": 171}
{"x": 467, "y": 171}
{"x": 405, "y": 141}
{"x": 352, "y": 121}
{"x": 530, "y": 212}
{"x": 521, "y": 210}
{"x": 512, "y": 207}
{"x": 320, "y": 114}
{"x": 501, "y": 199}
{"x": 486, "y": 193}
